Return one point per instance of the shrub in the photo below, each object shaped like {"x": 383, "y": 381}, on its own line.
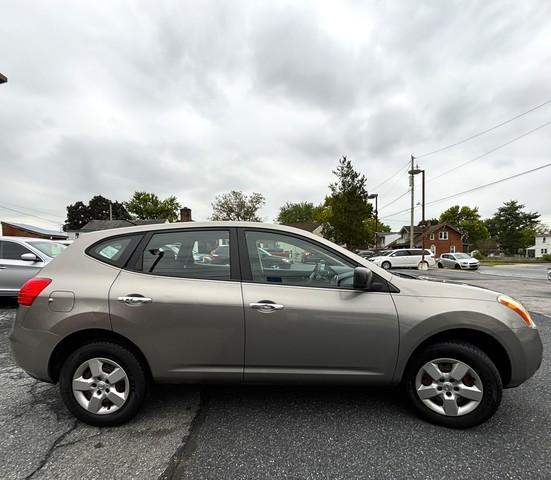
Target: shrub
{"x": 547, "y": 257}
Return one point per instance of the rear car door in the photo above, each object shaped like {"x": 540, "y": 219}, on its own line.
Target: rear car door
{"x": 182, "y": 310}
{"x": 307, "y": 323}
{"x": 14, "y": 272}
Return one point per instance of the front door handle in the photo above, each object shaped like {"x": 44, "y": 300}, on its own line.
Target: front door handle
{"x": 265, "y": 307}
{"x": 134, "y": 300}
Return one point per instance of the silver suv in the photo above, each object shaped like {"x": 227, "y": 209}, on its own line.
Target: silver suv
{"x": 123, "y": 307}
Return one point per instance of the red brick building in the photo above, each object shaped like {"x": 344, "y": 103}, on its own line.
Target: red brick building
{"x": 441, "y": 238}
{"x": 10, "y": 229}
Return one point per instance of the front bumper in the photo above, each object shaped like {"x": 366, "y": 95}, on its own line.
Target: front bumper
{"x": 526, "y": 353}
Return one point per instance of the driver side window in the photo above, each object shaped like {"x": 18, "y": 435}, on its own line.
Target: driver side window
{"x": 286, "y": 260}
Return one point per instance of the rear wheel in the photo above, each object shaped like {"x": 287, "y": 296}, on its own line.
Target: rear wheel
{"x": 453, "y": 384}
{"x": 102, "y": 384}
{"x": 386, "y": 265}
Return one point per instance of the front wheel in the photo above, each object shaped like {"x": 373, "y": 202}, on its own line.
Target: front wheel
{"x": 386, "y": 265}
{"x": 453, "y": 384}
{"x": 440, "y": 265}
{"x": 102, "y": 384}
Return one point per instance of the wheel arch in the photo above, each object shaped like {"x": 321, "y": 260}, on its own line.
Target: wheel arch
{"x": 70, "y": 343}
{"x": 488, "y": 344}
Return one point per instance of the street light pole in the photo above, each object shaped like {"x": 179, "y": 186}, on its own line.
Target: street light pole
{"x": 376, "y": 197}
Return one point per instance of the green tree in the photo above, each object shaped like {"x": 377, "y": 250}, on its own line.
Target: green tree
{"x": 148, "y": 206}
{"x": 301, "y": 212}
{"x": 468, "y": 220}
{"x": 237, "y": 206}
{"x": 79, "y": 213}
{"x": 512, "y": 227}
{"x": 347, "y": 208}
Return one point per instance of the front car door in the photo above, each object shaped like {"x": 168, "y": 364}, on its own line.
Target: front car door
{"x": 182, "y": 310}
{"x": 14, "y": 272}
{"x": 307, "y": 323}
{"x": 400, "y": 258}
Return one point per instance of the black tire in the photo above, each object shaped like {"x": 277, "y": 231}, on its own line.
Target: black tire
{"x": 386, "y": 265}
{"x": 478, "y": 361}
{"x": 440, "y": 265}
{"x": 457, "y": 266}
{"x": 137, "y": 381}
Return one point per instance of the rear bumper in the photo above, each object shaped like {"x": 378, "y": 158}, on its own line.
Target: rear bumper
{"x": 32, "y": 349}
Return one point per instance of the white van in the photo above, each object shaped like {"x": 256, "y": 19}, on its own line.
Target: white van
{"x": 403, "y": 258}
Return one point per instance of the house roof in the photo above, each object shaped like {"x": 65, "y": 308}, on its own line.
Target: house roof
{"x": 418, "y": 232}
{"x": 95, "y": 225}
{"x": 37, "y": 230}
{"x": 309, "y": 227}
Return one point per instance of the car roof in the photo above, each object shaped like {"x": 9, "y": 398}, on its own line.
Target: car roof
{"x": 28, "y": 239}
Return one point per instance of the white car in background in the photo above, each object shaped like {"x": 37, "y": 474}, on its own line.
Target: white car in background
{"x": 404, "y": 258}
{"x": 21, "y": 258}
{"x": 458, "y": 261}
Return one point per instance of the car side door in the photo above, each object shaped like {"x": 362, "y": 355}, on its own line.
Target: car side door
{"x": 184, "y": 312}
{"x": 307, "y": 323}
{"x": 14, "y": 271}
{"x": 400, "y": 258}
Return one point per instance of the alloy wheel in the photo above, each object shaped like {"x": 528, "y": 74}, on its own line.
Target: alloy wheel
{"x": 449, "y": 387}
{"x": 100, "y": 386}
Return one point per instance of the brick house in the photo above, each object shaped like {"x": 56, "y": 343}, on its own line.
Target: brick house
{"x": 440, "y": 238}
{"x": 10, "y": 229}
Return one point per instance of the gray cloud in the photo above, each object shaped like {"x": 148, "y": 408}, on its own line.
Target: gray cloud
{"x": 196, "y": 98}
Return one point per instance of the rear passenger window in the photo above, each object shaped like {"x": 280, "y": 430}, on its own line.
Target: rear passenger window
{"x": 115, "y": 250}
{"x": 201, "y": 254}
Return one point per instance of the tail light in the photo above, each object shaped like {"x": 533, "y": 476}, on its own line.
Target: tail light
{"x": 31, "y": 289}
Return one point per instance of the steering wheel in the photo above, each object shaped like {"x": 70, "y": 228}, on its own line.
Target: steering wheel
{"x": 325, "y": 273}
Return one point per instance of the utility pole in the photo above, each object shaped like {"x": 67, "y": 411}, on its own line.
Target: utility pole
{"x": 110, "y": 211}
{"x": 375, "y": 196}
{"x": 412, "y": 219}
{"x": 412, "y": 172}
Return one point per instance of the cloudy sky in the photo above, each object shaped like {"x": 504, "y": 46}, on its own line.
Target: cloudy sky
{"x": 196, "y": 98}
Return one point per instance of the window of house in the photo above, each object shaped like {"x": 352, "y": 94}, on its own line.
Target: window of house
{"x": 543, "y": 239}
{"x": 443, "y": 235}
{"x": 433, "y": 247}
{"x": 203, "y": 254}
{"x": 431, "y": 236}
{"x": 452, "y": 248}
{"x": 544, "y": 251}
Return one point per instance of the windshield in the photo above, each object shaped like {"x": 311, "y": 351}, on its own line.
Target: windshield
{"x": 383, "y": 253}
{"x": 51, "y": 249}
{"x": 462, "y": 255}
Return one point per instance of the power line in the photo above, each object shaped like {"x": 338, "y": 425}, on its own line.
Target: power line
{"x": 476, "y": 135}
{"x": 520, "y": 174}
{"x": 12, "y": 205}
{"x": 29, "y": 215}
{"x": 392, "y": 176}
{"x": 395, "y": 200}
{"x": 492, "y": 150}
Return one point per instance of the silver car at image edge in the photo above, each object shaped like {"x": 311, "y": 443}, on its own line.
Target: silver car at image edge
{"x": 118, "y": 311}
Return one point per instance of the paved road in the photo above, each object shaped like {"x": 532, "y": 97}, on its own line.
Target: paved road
{"x": 343, "y": 433}
{"x": 39, "y": 439}
{"x": 281, "y": 432}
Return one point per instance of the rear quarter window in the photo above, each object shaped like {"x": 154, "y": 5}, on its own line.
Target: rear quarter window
{"x": 115, "y": 250}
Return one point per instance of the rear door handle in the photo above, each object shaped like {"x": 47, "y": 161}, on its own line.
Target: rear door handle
{"x": 134, "y": 300}
{"x": 265, "y": 307}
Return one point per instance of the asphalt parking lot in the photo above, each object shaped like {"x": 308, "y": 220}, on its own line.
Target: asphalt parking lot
{"x": 283, "y": 432}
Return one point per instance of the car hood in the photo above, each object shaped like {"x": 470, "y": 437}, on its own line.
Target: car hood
{"x": 441, "y": 288}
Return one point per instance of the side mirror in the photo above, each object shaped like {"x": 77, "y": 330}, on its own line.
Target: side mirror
{"x": 362, "y": 278}
{"x": 30, "y": 257}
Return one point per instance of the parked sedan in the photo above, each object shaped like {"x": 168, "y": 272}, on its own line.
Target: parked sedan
{"x": 115, "y": 311}
{"x": 21, "y": 258}
{"x": 458, "y": 261}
